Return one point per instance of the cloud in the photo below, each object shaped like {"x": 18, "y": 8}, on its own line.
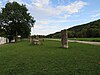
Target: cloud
{"x": 72, "y": 8}
{"x": 50, "y": 17}
{"x": 19, "y": 1}
{"x": 41, "y": 3}
{"x": 50, "y": 26}
{"x": 47, "y": 29}
{"x": 1, "y": 5}
{"x": 43, "y": 8}
{"x": 96, "y": 15}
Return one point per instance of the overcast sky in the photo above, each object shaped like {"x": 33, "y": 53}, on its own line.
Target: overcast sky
{"x": 54, "y": 15}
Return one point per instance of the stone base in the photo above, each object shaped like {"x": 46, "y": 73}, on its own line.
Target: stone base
{"x": 64, "y": 46}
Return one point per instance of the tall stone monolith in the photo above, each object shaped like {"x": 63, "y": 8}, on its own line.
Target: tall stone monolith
{"x": 64, "y": 38}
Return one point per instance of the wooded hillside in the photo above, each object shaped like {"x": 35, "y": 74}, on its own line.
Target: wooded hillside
{"x": 89, "y": 30}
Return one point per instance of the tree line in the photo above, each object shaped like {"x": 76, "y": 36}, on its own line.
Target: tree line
{"x": 89, "y": 30}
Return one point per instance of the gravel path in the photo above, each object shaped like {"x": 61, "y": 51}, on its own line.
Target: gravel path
{"x": 84, "y": 42}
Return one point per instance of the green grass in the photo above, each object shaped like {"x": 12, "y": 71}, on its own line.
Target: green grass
{"x": 49, "y": 59}
{"x": 86, "y": 39}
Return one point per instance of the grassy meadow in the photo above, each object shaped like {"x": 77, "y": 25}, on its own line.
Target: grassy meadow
{"x": 22, "y": 58}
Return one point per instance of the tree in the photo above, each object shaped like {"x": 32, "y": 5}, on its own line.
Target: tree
{"x": 16, "y": 20}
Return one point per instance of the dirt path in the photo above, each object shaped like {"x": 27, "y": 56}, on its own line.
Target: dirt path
{"x": 84, "y": 42}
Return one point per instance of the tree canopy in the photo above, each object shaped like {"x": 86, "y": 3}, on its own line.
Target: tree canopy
{"x": 15, "y": 20}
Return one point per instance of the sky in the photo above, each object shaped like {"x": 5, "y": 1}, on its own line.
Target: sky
{"x": 55, "y": 15}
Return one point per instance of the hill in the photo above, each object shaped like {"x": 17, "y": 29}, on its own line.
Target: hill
{"x": 89, "y": 30}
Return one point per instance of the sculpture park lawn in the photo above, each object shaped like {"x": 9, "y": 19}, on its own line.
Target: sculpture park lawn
{"x": 22, "y": 58}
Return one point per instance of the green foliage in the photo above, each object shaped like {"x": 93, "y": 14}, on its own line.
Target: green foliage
{"x": 49, "y": 59}
{"x": 91, "y": 29}
{"x": 16, "y": 20}
{"x": 2, "y": 33}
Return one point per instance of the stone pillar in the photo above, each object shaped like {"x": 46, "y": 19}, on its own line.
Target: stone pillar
{"x": 64, "y": 38}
